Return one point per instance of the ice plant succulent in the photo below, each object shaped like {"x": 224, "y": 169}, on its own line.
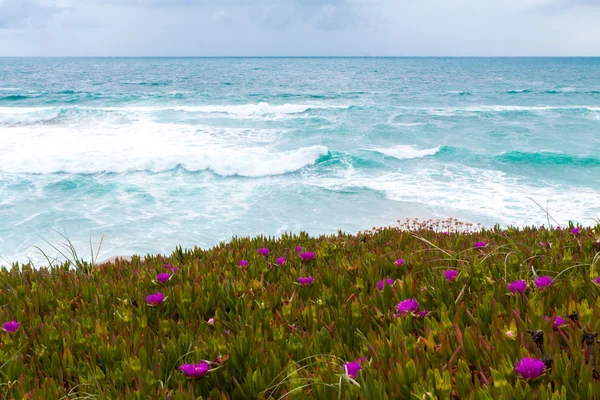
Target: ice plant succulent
{"x": 479, "y": 245}
{"x": 530, "y": 368}
{"x": 543, "y": 282}
{"x": 306, "y": 281}
{"x": 381, "y": 284}
{"x": 263, "y": 251}
{"x": 408, "y": 306}
{"x": 243, "y": 263}
{"x": 280, "y": 260}
{"x": 451, "y": 275}
{"x": 10, "y": 326}
{"x": 399, "y": 262}
{"x": 155, "y": 299}
{"x": 163, "y": 278}
{"x": 195, "y": 371}
{"x": 575, "y": 231}
{"x": 307, "y": 256}
{"x": 517, "y": 286}
{"x": 298, "y": 249}
{"x": 597, "y": 280}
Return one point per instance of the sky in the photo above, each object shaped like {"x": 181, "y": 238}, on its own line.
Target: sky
{"x": 299, "y": 27}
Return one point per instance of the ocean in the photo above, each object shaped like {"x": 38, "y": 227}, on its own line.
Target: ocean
{"x": 159, "y": 152}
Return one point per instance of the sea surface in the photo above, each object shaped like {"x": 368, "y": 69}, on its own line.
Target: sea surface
{"x": 158, "y": 152}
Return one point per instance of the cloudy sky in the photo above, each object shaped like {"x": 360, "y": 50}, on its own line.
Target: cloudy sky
{"x": 298, "y": 27}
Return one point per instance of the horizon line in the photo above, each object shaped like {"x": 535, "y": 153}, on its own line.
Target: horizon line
{"x": 291, "y": 56}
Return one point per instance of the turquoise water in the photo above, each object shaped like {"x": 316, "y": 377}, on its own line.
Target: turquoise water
{"x": 154, "y": 153}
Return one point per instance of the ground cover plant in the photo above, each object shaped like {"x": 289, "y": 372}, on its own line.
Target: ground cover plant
{"x": 424, "y": 310}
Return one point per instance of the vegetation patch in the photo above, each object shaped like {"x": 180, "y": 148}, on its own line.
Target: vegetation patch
{"x": 423, "y": 310}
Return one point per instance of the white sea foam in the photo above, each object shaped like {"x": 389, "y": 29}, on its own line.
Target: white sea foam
{"x": 491, "y": 195}
{"x": 29, "y": 115}
{"x": 147, "y": 145}
{"x": 405, "y": 151}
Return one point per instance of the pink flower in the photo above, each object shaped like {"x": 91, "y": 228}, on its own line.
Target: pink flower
{"x": 352, "y": 368}
{"x": 408, "y": 306}
{"x": 575, "y": 231}
{"x": 450, "y": 275}
{"x": 423, "y": 313}
{"x": 306, "y": 281}
{"x": 263, "y": 251}
{"x": 280, "y": 260}
{"x": 543, "y": 282}
{"x": 530, "y": 368}
{"x": 155, "y": 299}
{"x": 597, "y": 280}
{"x": 211, "y": 321}
{"x": 168, "y": 266}
{"x": 380, "y": 284}
{"x": 298, "y": 249}
{"x": 307, "y": 256}
{"x": 399, "y": 262}
{"x": 195, "y": 371}
{"x": 243, "y": 263}
{"x": 479, "y": 245}
{"x": 10, "y": 326}
{"x": 558, "y": 321}
{"x": 517, "y": 286}
{"x": 163, "y": 278}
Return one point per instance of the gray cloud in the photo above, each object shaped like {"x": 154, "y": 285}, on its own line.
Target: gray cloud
{"x": 26, "y": 13}
{"x": 299, "y": 27}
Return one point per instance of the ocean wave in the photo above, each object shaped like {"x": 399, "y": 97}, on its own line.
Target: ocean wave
{"x": 516, "y": 91}
{"x": 14, "y": 97}
{"x": 404, "y": 152}
{"x": 27, "y": 115}
{"x": 111, "y": 155}
{"x": 16, "y": 116}
{"x": 547, "y": 158}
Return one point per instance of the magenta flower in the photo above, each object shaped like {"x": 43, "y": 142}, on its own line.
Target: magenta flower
{"x": 155, "y": 299}
{"x": 174, "y": 269}
{"x": 195, "y": 371}
{"x": 423, "y": 313}
{"x": 597, "y": 280}
{"x": 298, "y": 249}
{"x": 399, "y": 262}
{"x": 445, "y": 232}
{"x": 243, "y": 263}
{"x": 558, "y": 321}
{"x": 575, "y": 231}
{"x": 263, "y": 251}
{"x": 517, "y": 286}
{"x": 307, "y": 256}
{"x": 11, "y": 326}
{"x": 168, "y": 266}
{"x": 408, "y": 306}
{"x": 450, "y": 275}
{"x": 163, "y": 278}
{"x": 530, "y": 368}
{"x": 281, "y": 260}
{"x": 479, "y": 245}
{"x": 543, "y": 281}
{"x": 352, "y": 368}
{"x": 211, "y": 321}
{"x": 380, "y": 284}
{"x": 306, "y": 281}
